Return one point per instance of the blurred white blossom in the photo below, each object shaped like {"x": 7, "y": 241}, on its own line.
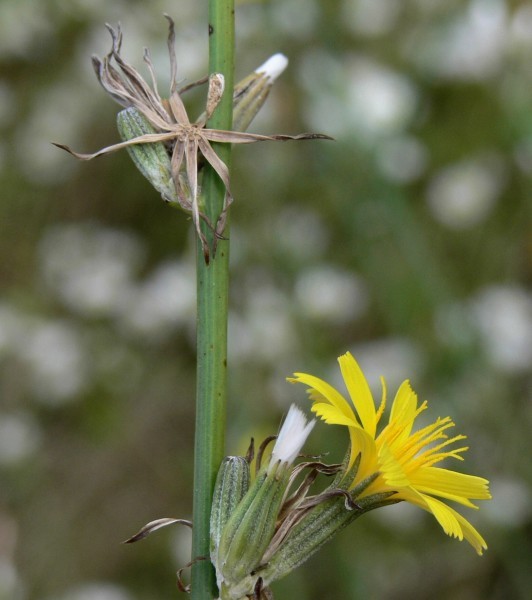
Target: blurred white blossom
{"x": 371, "y": 17}
{"x": 503, "y": 315}
{"x": 96, "y": 591}
{"x": 191, "y": 52}
{"x": 263, "y": 330}
{"x": 380, "y": 101}
{"x": 57, "y": 361}
{"x": 165, "y": 301}
{"x": 329, "y": 294}
{"x": 395, "y": 358}
{"x": 89, "y": 267}
{"x": 453, "y": 324}
{"x": 472, "y": 46}
{"x": 463, "y": 194}
{"x": 300, "y": 233}
{"x": 89, "y": 9}
{"x": 240, "y": 339}
{"x": 325, "y": 108}
{"x": 475, "y": 46}
{"x": 402, "y": 159}
{"x": 53, "y": 353}
{"x": 298, "y": 18}
{"x": 60, "y": 112}
{"x": 11, "y": 587}
{"x": 20, "y": 437}
{"x": 358, "y": 97}
{"x": 510, "y": 506}
{"x": 24, "y": 27}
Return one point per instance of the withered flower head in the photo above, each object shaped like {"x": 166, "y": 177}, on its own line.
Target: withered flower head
{"x": 172, "y": 127}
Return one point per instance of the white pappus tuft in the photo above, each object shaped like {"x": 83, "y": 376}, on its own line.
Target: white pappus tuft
{"x": 273, "y": 67}
{"x": 293, "y": 434}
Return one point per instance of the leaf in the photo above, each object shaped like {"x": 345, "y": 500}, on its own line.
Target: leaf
{"x": 152, "y": 526}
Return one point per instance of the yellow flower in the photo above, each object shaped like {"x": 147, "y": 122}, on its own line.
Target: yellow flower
{"x": 404, "y": 459}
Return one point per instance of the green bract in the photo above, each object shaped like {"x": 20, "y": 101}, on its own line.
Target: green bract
{"x": 152, "y": 160}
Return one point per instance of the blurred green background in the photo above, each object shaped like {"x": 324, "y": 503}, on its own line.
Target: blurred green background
{"x": 407, "y": 241}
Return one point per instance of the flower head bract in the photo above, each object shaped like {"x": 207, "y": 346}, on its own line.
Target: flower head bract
{"x": 404, "y": 459}
{"x": 183, "y": 137}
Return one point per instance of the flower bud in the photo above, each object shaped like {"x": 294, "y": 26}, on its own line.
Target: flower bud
{"x": 251, "y": 526}
{"x": 251, "y": 93}
{"x": 151, "y": 159}
{"x": 232, "y": 483}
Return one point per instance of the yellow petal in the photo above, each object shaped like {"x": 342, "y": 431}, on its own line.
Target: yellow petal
{"x": 359, "y": 391}
{"x": 452, "y": 522}
{"x": 382, "y": 405}
{"x": 471, "y": 534}
{"x": 331, "y": 415}
{"x": 404, "y": 410}
{"x": 326, "y": 391}
{"x": 459, "y": 487}
{"x": 392, "y": 471}
{"x": 443, "y": 513}
{"x": 362, "y": 443}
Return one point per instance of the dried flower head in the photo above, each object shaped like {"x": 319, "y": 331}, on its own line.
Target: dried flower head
{"x": 182, "y": 137}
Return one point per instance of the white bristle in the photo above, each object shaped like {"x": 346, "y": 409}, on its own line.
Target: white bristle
{"x": 273, "y": 67}
{"x": 293, "y": 434}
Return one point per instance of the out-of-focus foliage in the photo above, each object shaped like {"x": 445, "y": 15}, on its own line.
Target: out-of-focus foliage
{"x": 406, "y": 241}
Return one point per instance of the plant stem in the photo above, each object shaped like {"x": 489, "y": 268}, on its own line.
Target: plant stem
{"x": 212, "y": 305}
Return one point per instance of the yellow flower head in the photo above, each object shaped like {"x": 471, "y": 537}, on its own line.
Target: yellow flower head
{"x": 404, "y": 459}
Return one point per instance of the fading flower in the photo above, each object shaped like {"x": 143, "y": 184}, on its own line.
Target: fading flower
{"x": 400, "y": 460}
{"x": 183, "y": 138}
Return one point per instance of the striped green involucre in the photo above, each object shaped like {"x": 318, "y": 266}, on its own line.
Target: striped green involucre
{"x": 152, "y": 159}
{"x": 232, "y": 483}
{"x": 314, "y": 530}
{"x": 251, "y": 526}
{"x": 248, "y": 97}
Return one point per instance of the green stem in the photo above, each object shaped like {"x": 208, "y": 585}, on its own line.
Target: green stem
{"x": 212, "y": 305}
